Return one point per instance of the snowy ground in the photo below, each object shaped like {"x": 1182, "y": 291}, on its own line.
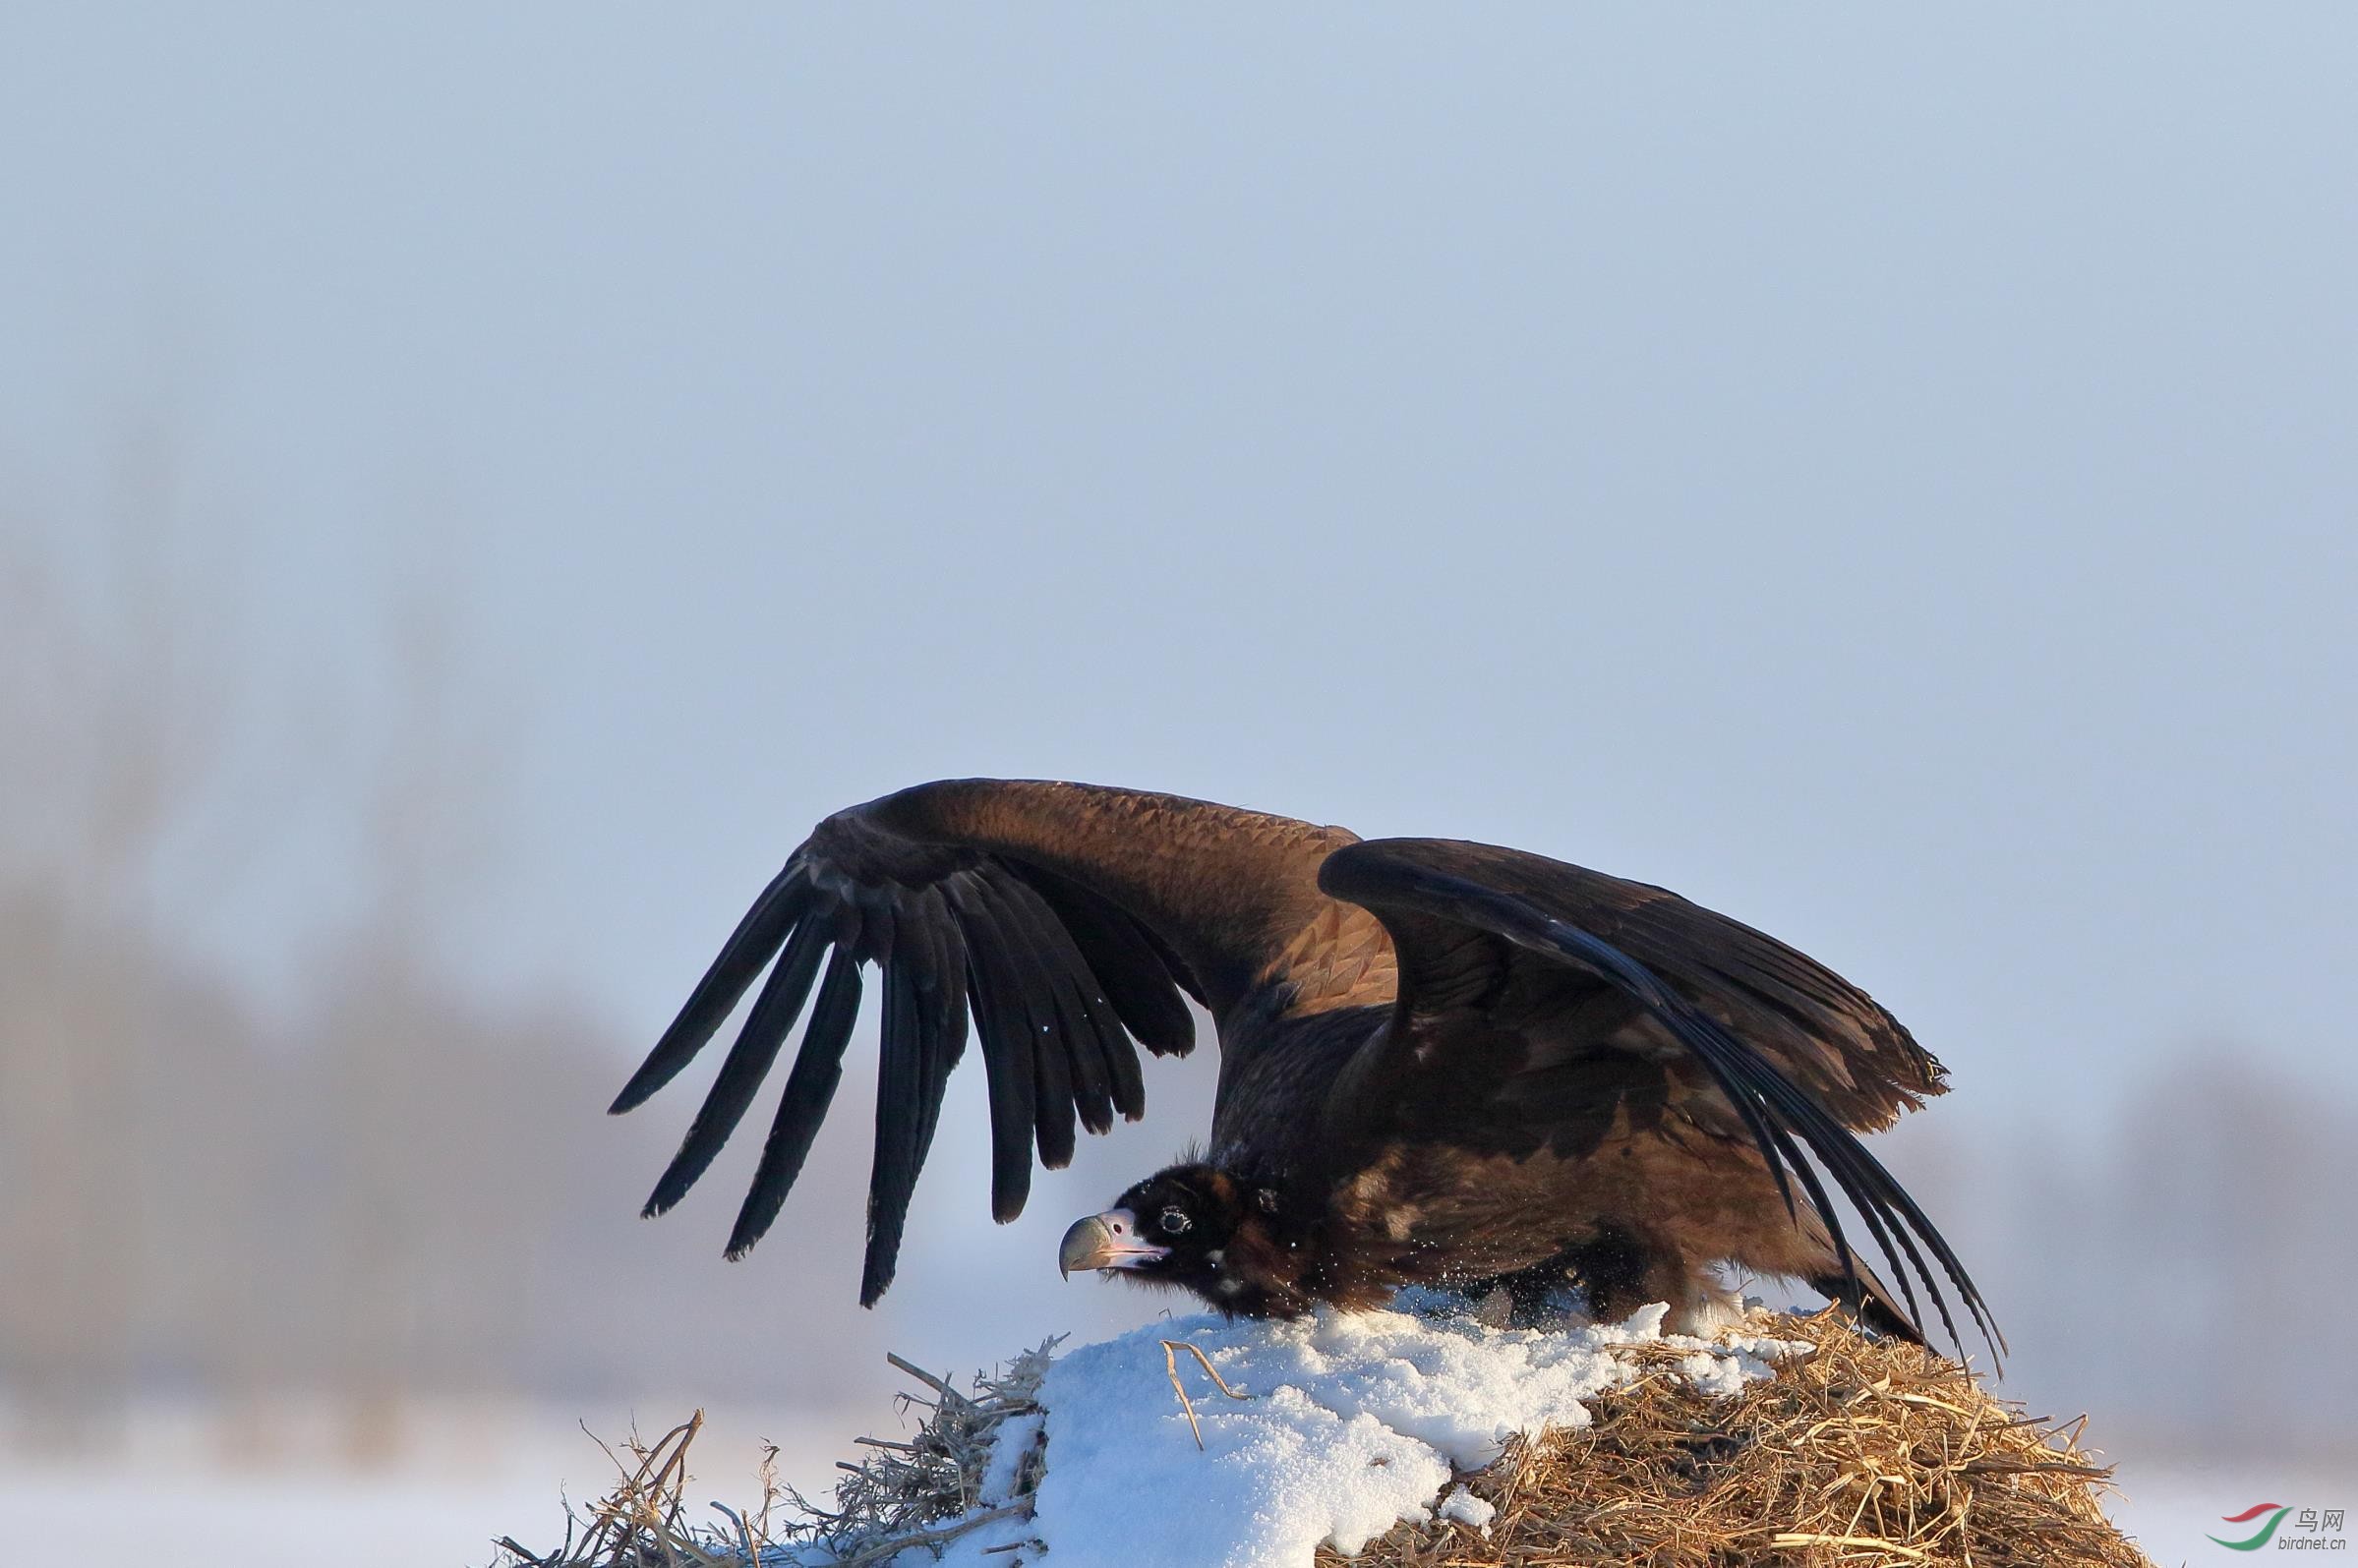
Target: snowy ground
{"x": 282, "y": 1520}
{"x": 1355, "y": 1422}
{"x": 1370, "y": 1392}
{"x": 1348, "y": 1424}
{"x": 166, "y": 1497}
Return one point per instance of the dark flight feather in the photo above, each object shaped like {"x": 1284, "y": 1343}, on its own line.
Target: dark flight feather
{"x": 773, "y": 1014}
{"x": 1033, "y": 1003}
{"x": 899, "y": 1088}
{"x": 941, "y": 986}
{"x": 810, "y": 1090}
{"x": 1101, "y": 1050}
{"x": 1004, "y": 1030}
{"x": 1134, "y": 976}
{"x": 1070, "y": 1035}
{"x": 748, "y": 949}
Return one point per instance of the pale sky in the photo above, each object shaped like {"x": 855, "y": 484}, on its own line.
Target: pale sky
{"x": 1886, "y": 474}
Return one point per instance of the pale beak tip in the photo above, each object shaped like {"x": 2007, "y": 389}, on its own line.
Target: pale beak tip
{"x": 1084, "y": 1247}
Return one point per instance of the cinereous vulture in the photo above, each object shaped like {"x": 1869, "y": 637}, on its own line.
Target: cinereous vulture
{"x": 1442, "y": 1064}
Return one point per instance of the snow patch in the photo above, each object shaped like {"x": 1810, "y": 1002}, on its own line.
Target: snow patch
{"x": 1468, "y": 1509}
{"x": 1351, "y": 1422}
{"x": 1009, "y": 1445}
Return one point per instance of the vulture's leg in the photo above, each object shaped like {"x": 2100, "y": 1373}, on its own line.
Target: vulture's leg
{"x": 1540, "y": 1296}
{"x": 1565, "y": 1291}
{"x": 1543, "y": 1296}
{"x": 1619, "y": 1272}
{"x": 1616, "y": 1271}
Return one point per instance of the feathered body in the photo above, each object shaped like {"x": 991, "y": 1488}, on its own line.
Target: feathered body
{"x": 1441, "y": 1063}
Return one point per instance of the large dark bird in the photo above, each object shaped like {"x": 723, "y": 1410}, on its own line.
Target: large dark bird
{"x": 1441, "y": 1063}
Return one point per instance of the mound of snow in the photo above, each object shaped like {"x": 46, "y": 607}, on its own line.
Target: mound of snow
{"x": 1350, "y": 1423}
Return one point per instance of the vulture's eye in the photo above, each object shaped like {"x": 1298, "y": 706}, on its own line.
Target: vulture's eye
{"x": 1175, "y": 1220}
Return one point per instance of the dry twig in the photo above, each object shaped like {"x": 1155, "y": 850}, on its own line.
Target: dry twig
{"x": 1170, "y": 1362}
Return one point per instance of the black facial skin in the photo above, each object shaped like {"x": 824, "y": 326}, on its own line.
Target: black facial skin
{"x": 1220, "y": 1233}
{"x": 1187, "y": 1217}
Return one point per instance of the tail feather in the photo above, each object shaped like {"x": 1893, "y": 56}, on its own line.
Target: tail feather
{"x": 1870, "y": 1301}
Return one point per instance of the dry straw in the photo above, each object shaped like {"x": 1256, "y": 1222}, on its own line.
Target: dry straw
{"x": 920, "y": 1490}
{"x": 1863, "y": 1451}
{"x": 1859, "y": 1452}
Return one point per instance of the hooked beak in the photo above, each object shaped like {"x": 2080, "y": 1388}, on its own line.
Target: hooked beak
{"x": 1105, "y": 1241}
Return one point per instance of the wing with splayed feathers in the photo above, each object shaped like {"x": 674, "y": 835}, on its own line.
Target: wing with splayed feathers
{"x": 1796, "y": 1051}
{"x": 1061, "y": 922}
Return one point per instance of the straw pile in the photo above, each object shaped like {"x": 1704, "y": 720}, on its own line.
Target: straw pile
{"x": 1863, "y": 1451}
{"x": 914, "y": 1491}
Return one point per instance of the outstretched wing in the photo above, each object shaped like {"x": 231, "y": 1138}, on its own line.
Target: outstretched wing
{"x": 1521, "y": 945}
{"x": 1063, "y": 919}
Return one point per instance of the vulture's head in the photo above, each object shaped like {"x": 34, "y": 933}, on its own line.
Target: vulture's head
{"x": 1199, "y": 1229}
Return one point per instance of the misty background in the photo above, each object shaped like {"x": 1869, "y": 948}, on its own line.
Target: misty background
{"x": 475, "y": 488}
